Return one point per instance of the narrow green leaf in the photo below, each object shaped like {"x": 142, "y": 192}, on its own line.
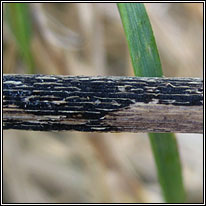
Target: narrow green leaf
{"x": 165, "y": 151}
{"x": 146, "y": 63}
{"x": 142, "y": 46}
{"x": 19, "y": 21}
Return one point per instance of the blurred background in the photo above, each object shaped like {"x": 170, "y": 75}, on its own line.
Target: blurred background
{"x": 88, "y": 39}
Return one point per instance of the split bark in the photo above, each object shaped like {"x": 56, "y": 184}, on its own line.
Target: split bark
{"x": 102, "y": 104}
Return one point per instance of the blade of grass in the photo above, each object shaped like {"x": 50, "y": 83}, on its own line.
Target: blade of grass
{"x": 165, "y": 151}
{"x": 146, "y": 63}
{"x": 19, "y": 21}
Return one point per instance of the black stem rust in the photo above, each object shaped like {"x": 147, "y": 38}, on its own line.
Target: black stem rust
{"x": 103, "y": 104}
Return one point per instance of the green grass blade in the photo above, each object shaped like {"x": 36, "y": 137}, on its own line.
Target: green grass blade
{"x": 165, "y": 151}
{"x": 19, "y": 21}
{"x": 140, "y": 38}
{"x": 146, "y": 63}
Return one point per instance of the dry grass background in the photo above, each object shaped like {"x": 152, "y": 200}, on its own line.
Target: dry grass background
{"x": 88, "y": 39}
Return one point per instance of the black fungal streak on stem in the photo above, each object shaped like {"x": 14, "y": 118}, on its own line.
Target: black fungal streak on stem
{"x": 102, "y": 104}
